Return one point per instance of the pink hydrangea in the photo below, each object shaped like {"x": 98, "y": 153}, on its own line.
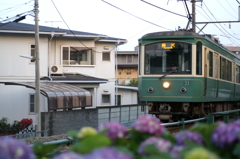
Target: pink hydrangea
{"x": 114, "y": 130}
{"x": 148, "y": 124}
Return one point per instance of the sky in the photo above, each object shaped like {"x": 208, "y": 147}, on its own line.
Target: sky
{"x": 129, "y": 19}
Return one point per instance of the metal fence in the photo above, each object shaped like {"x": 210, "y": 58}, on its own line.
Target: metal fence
{"x": 124, "y": 114}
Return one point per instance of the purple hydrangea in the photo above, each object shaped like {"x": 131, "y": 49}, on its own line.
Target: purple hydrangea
{"x": 161, "y": 144}
{"x": 114, "y": 130}
{"x": 148, "y": 124}
{"x": 175, "y": 151}
{"x": 237, "y": 123}
{"x": 226, "y": 135}
{"x": 107, "y": 153}
{"x": 183, "y": 137}
{"x": 68, "y": 155}
{"x": 11, "y": 148}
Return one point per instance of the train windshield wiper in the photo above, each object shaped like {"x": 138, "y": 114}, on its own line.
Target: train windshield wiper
{"x": 165, "y": 75}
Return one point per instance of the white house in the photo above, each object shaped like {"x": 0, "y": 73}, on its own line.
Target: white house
{"x": 77, "y": 69}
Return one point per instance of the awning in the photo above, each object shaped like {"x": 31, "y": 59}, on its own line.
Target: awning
{"x": 60, "y": 95}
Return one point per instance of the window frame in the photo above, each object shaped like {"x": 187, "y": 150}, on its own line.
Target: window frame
{"x": 109, "y": 95}
{"x": 89, "y": 56}
{"x": 32, "y": 52}
{"x": 106, "y": 52}
{"x": 32, "y": 104}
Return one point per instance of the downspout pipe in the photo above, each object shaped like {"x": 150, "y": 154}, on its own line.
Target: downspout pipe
{"x": 49, "y": 50}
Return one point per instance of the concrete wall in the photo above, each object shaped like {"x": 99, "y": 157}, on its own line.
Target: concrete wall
{"x": 61, "y": 122}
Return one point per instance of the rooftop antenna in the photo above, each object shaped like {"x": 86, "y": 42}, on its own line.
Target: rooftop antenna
{"x": 52, "y": 22}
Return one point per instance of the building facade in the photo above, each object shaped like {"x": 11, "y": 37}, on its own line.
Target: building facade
{"x": 80, "y": 59}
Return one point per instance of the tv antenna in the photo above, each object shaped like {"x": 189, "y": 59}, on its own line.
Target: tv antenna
{"x": 52, "y": 22}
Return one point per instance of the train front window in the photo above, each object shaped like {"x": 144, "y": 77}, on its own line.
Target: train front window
{"x": 164, "y": 57}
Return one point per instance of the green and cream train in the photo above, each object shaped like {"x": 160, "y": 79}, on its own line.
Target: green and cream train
{"x": 185, "y": 74}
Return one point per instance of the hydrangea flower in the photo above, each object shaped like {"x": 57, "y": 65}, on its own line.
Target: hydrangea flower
{"x": 161, "y": 144}
{"x": 68, "y": 155}
{"x": 114, "y": 130}
{"x": 11, "y": 148}
{"x": 148, "y": 124}
{"x": 86, "y": 131}
{"x": 175, "y": 151}
{"x": 200, "y": 153}
{"x": 225, "y": 135}
{"x": 183, "y": 137}
{"x": 107, "y": 153}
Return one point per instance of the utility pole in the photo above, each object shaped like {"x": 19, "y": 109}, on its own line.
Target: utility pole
{"x": 37, "y": 68}
{"x": 193, "y": 16}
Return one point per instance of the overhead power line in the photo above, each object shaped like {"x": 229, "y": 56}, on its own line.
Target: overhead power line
{"x": 136, "y": 16}
{"x": 165, "y": 9}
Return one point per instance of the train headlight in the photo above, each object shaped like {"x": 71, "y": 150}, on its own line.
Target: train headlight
{"x": 166, "y": 85}
{"x": 150, "y": 89}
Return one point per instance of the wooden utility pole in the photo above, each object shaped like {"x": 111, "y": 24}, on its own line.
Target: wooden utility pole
{"x": 37, "y": 68}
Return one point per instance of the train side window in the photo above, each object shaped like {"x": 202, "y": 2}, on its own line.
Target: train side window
{"x": 237, "y": 74}
{"x": 226, "y": 69}
{"x": 199, "y": 59}
{"x": 210, "y": 60}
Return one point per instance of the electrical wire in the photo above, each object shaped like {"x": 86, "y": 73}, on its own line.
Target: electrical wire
{"x": 231, "y": 7}
{"x": 136, "y": 16}
{"x": 70, "y": 29}
{"x": 150, "y": 25}
{"x": 220, "y": 25}
{"x": 225, "y": 9}
{"x": 16, "y": 6}
{"x": 164, "y": 9}
{"x": 17, "y": 16}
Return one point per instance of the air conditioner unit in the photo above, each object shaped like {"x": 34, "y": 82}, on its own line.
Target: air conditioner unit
{"x": 56, "y": 69}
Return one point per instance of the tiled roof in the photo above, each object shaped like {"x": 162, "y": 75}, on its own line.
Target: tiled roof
{"x": 76, "y": 77}
{"x": 14, "y": 26}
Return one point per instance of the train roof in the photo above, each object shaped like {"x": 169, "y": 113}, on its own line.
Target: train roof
{"x": 188, "y": 33}
{"x": 171, "y": 33}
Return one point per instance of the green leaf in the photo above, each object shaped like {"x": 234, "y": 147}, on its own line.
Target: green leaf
{"x": 73, "y": 133}
{"x": 206, "y": 131}
{"x": 88, "y": 144}
{"x": 42, "y": 150}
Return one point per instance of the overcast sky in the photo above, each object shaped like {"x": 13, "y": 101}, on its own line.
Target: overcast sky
{"x": 101, "y": 17}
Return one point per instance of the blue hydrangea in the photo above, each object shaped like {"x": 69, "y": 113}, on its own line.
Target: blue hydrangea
{"x": 225, "y": 135}
{"x": 107, "y": 153}
{"x": 161, "y": 144}
{"x": 11, "y": 148}
{"x": 183, "y": 137}
{"x": 114, "y": 130}
{"x": 148, "y": 124}
{"x": 68, "y": 155}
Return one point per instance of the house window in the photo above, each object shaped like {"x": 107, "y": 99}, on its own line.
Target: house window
{"x": 106, "y": 56}
{"x": 118, "y": 99}
{"x": 106, "y": 98}
{"x": 32, "y": 103}
{"x": 128, "y": 73}
{"x": 32, "y": 51}
{"x": 77, "y": 56}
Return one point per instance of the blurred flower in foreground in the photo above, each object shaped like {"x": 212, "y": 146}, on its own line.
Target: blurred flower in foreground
{"x": 107, "y": 153}
{"x": 161, "y": 144}
{"x": 68, "y": 155}
{"x": 175, "y": 151}
{"x": 148, "y": 124}
{"x": 87, "y": 131}
{"x": 114, "y": 130}
{"x": 185, "y": 136}
{"x": 200, "y": 153}
{"x": 15, "y": 149}
{"x": 226, "y": 135}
